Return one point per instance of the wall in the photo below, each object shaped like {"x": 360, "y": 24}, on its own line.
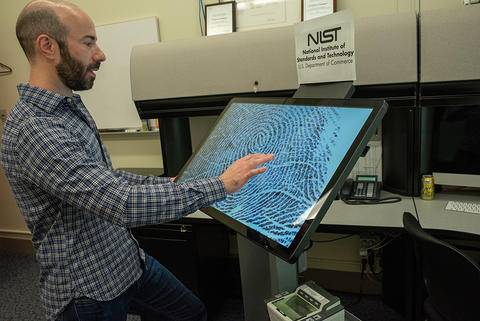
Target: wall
{"x": 177, "y": 20}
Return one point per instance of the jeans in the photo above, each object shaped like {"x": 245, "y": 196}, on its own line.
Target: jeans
{"x": 157, "y": 295}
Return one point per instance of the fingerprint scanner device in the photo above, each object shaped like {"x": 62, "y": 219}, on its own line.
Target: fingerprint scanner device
{"x": 308, "y": 302}
{"x": 316, "y": 143}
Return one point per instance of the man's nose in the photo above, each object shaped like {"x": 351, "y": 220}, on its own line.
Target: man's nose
{"x": 100, "y": 55}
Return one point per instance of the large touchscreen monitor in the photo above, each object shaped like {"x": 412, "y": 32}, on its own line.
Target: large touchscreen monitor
{"x": 316, "y": 143}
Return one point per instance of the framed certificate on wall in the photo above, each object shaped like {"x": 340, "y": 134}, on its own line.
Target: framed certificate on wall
{"x": 312, "y": 9}
{"x": 220, "y": 18}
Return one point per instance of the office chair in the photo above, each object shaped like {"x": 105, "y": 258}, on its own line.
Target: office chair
{"x": 451, "y": 278}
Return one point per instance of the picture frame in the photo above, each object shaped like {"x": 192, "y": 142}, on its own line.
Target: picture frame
{"x": 312, "y": 9}
{"x": 220, "y": 18}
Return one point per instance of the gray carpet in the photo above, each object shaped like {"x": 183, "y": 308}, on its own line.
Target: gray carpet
{"x": 367, "y": 307}
{"x": 19, "y": 299}
{"x": 18, "y": 288}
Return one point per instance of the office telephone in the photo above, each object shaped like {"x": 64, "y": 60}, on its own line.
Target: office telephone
{"x": 364, "y": 187}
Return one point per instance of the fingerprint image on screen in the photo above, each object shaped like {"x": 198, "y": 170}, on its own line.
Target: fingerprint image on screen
{"x": 309, "y": 143}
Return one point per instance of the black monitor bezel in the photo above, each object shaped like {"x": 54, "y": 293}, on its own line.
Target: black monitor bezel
{"x": 290, "y": 254}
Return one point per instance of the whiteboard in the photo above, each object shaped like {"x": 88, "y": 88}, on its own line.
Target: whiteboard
{"x": 110, "y": 100}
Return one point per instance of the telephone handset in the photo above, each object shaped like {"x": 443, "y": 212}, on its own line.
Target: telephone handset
{"x": 364, "y": 187}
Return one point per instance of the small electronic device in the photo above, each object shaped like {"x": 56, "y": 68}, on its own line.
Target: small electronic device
{"x": 316, "y": 143}
{"x": 308, "y": 302}
{"x": 364, "y": 187}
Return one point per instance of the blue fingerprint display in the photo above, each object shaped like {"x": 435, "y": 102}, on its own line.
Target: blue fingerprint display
{"x": 309, "y": 143}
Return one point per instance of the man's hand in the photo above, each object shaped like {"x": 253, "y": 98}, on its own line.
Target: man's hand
{"x": 238, "y": 174}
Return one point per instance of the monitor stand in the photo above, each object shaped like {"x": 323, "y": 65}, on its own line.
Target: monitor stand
{"x": 263, "y": 274}
{"x": 176, "y": 144}
{"x": 338, "y": 90}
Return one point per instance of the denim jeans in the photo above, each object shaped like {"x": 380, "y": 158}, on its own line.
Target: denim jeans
{"x": 157, "y": 295}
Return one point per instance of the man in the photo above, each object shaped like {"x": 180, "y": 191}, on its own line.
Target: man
{"x": 77, "y": 207}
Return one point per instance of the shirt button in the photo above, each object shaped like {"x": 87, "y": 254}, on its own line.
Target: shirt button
{"x": 69, "y": 100}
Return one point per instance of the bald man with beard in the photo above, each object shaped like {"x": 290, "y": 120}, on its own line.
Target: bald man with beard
{"x": 78, "y": 208}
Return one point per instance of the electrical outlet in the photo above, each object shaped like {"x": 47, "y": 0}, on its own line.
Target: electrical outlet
{"x": 369, "y": 251}
{"x": 367, "y": 241}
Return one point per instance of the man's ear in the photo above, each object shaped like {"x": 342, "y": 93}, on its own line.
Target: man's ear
{"x": 47, "y": 47}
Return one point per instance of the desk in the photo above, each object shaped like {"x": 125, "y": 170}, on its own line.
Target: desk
{"x": 433, "y": 215}
{"x": 341, "y": 216}
{"x": 402, "y": 286}
{"x": 376, "y": 216}
{"x": 344, "y": 218}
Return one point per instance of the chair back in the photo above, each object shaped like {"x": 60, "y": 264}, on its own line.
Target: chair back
{"x": 452, "y": 279}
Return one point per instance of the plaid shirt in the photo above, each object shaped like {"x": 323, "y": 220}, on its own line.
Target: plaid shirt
{"x": 77, "y": 207}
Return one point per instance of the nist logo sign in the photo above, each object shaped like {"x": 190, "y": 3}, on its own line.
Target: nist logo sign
{"x": 325, "y": 48}
{"x": 325, "y": 36}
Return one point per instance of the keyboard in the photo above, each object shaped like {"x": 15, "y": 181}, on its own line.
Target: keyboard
{"x": 468, "y": 207}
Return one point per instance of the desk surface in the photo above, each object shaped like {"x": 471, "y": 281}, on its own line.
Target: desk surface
{"x": 378, "y": 215}
{"x": 432, "y": 214}
{"x": 341, "y": 214}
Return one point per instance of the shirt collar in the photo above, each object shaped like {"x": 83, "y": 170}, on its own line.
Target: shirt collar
{"x": 43, "y": 98}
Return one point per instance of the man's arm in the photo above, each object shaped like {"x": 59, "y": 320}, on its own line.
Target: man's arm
{"x": 57, "y": 162}
{"x": 136, "y": 179}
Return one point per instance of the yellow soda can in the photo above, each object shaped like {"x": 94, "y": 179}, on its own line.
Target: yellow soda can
{"x": 428, "y": 188}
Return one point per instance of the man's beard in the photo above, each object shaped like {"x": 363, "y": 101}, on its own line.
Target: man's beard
{"x": 73, "y": 73}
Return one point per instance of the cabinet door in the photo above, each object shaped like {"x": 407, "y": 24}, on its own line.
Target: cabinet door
{"x": 174, "y": 247}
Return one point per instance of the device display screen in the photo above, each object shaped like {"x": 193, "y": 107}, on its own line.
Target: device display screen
{"x": 294, "y": 307}
{"x": 361, "y": 178}
{"x": 309, "y": 141}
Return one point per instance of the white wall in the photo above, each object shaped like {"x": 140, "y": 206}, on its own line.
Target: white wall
{"x": 177, "y": 19}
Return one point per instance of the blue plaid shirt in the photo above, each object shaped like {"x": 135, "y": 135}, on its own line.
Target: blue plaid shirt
{"x": 77, "y": 206}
